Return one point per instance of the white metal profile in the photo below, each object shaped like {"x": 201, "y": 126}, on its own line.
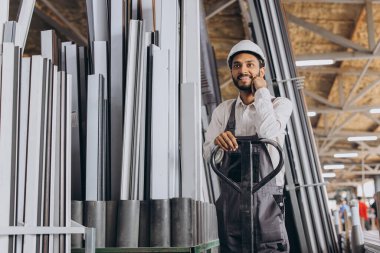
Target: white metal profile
{"x": 23, "y": 22}
{"x": 8, "y": 131}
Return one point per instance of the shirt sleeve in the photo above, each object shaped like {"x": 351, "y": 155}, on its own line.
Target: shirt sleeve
{"x": 215, "y": 127}
{"x": 271, "y": 117}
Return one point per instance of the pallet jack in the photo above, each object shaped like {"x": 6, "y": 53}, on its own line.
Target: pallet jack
{"x": 251, "y": 150}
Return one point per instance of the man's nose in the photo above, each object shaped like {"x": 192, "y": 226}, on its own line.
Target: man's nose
{"x": 244, "y": 69}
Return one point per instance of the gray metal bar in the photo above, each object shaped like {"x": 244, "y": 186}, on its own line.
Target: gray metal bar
{"x": 23, "y": 22}
{"x": 159, "y": 126}
{"x": 101, "y": 67}
{"x": 90, "y": 237}
{"x": 22, "y": 142}
{"x": 138, "y": 159}
{"x": 9, "y": 31}
{"x": 370, "y": 25}
{"x": 181, "y": 222}
{"x": 49, "y": 46}
{"x": 68, "y": 157}
{"x": 76, "y": 145}
{"x": 77, "y": 216}
{"x": 128, "y": 223}
{"x": 117, "y": 67}
{"x": 218, "y": 8}
{"x": 55, "y": 158}
{"x": 100, "y": 20}
{"x": 126, "y": 172}
{"x": 160, "y": 223}
{"x": 95, "y": 217}
{"x": 94, "y": 102}
{"x": 8, "y": 130}
{"x": 4, "y": 14}
{"x": 190, "y": 97}
{"x": 144, "y": 222}
{"x": 338, "y": 56}
{"x": 35, "y": 145}
{"x": 111, "y": 223}
{"x": 169, "y": 40}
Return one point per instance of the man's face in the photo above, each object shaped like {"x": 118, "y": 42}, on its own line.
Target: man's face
{"x": 244, "y": 68}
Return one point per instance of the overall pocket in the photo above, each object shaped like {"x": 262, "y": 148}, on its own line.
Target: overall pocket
{"x": 270, "y": 217}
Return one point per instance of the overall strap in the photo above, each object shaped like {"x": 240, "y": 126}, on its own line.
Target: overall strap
{"x": 231, "y": 124}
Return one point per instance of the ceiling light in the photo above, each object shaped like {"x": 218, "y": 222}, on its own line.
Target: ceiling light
{"x": 311, "y": 114}
{"x": 346, "y": 155}
{"x": 375, "y": 110}
{"x": 332, "y": 174}
{"x": 333, "y": 166}
{"x": 362, "y": 138}
{"x": 314, "y": 62}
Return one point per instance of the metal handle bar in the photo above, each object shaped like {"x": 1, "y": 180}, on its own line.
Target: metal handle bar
{"x": 265, "y": 180}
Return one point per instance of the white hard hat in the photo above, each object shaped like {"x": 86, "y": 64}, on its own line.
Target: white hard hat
{"x": 245, "y": 46}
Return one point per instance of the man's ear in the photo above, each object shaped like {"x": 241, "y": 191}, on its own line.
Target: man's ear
{"x": 262, "y": 72}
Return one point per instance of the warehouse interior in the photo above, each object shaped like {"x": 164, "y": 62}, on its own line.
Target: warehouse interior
{"x": 128, "y": 146}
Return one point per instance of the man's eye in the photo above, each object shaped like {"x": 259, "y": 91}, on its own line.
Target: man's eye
{"x": 236, "y": 66}
{"x": 249, "y": 65}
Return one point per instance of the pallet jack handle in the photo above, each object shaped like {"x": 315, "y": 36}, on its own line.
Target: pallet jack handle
{"x": 264, "y": 181}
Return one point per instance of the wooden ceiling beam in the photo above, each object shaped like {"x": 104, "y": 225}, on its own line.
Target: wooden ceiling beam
{"x": 338, "y": 56}
{"x": 218, "y": 8}
{"x": 330, "y": 1}
{"x": 337, "y": 39}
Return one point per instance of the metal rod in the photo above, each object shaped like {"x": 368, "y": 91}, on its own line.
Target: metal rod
{"x": 128, "y": 223}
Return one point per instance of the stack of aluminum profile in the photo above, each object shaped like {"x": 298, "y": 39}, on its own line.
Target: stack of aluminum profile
{"x": 35, "y": 144}
{"x": 121, "y": 122}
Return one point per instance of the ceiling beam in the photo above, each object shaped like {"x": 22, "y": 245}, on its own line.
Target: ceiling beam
{"x": 59, "y": 22}
{"x": 319, "y": 132}
{"x": 338, "y": 56}
{"x": 330, "y": 1}
{"x": 364, "y": 91}
{"x": 218, "y": 8}
{"x": 344, "y": 42}
{"x": 320, "y": 99}
{"x": 340, "y": 109}
{"x": 335, "y": 70}
{"x": 370, "y": 25}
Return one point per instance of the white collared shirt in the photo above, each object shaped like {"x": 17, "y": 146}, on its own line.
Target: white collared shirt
{"x": 266, "y": 118}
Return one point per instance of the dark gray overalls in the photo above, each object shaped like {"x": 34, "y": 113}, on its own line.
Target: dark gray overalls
{"x": 268, "y": 211}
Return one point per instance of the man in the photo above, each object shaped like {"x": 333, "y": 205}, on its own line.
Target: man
{"x": 254, "y": 112}
{"x": 363, "y": 213}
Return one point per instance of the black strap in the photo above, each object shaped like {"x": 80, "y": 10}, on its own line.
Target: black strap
{"x": 231, "y": 123}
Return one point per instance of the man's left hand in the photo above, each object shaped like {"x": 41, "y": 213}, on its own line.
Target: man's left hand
{"x": 259, "y": 82}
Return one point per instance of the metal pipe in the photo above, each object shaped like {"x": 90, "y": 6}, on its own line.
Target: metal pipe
{"x": 160, "y": 223}
{"x": 144, "y": 224}
{"x": 95, "y": 217}
{"x": 111, "y": 223}
{"x": 128, "y": 223}
{"x": 77, "y": 216}
{"x": 181, "y": 222}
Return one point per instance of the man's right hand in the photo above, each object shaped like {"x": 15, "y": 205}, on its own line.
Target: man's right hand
{"x": 226, "y": 141}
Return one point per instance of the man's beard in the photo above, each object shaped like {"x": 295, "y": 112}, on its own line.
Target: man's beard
{"x": 244, "y": 87}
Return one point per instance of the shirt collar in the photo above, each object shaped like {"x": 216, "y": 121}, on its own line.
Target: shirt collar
{"x": 239, "y": 102}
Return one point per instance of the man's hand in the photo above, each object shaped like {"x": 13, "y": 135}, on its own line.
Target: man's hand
{"x": 259, "y": 82}
{"x": 226, "y": 141}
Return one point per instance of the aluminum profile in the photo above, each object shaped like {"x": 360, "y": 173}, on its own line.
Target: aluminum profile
{"x": 160, "y": 126}
{"x": 55, "y": 158}
{"x": 22, "y": 142}
{"x": 8, "y": 132}
{"x": 190, "y": 100}
{"x": 131, "y": 80}
{"x": 35, "y": 145}
{"x": 68, "y": 157}
{"x": 49, "y": 46}
{"x": 101, "y": 67}
{"x": 4, "y": 15}
{"x": 100, "y": 20}
{"x": 9, "y": 31}
{"x": 117, "y": 44}
{"x": 23, "y": 23}
{"x": 76, "y": 147}
{"x": 94, "y": 105}
{"x": 169, "y": 40}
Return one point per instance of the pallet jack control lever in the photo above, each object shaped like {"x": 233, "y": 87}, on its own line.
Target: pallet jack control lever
{"x": 216, "y": 152}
